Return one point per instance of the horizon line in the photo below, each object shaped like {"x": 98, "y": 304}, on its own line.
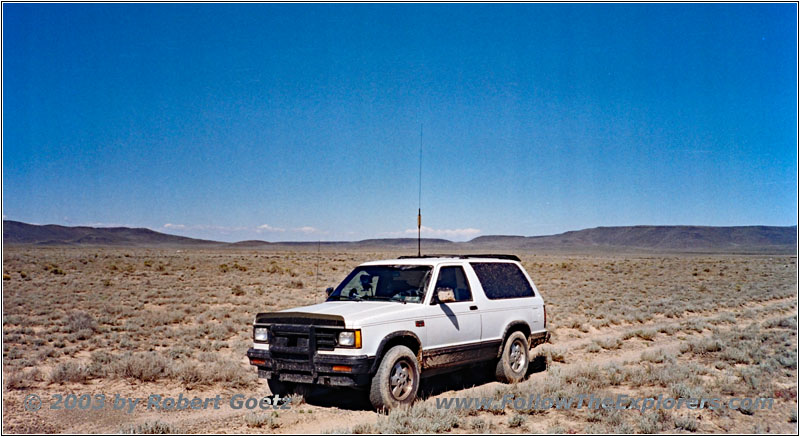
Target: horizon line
{"x": 320, "y": 241}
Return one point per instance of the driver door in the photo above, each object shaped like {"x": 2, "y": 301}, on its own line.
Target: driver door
{"x": 453, "y": 329}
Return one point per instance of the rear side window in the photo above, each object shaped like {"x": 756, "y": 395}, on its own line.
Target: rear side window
{"x": 502, "y": 280}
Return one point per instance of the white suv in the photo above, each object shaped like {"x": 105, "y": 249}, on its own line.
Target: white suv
{"x": 390, "y": 322}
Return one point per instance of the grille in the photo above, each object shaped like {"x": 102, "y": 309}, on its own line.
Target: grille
{"x": 326, "y": 339}
{"x": 295, "y": 342}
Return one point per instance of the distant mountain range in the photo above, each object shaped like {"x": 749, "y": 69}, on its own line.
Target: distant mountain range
{"x": 693, "y": 239}
{"x": 55, "y": 235}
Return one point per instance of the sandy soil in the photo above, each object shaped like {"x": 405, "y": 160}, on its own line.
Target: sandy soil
{"x": 137, "y": 322}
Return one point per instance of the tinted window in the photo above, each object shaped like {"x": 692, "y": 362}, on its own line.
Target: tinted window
{"x": 502, "y": 280}
{"x": 454, "y": 278}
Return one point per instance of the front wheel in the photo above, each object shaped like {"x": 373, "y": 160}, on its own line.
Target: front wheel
{"x": 513, "y": 362}
{"x": 397, "y": 380}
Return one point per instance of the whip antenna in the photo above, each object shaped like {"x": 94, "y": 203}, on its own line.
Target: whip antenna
{"x": 316, "y": 274}
{"x": 419, "y": 210}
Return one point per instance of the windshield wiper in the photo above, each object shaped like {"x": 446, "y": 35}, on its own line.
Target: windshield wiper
{"x": 378, "y": 298}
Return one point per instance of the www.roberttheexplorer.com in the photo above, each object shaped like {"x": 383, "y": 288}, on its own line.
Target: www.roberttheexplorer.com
{"x": 590, "y": 401}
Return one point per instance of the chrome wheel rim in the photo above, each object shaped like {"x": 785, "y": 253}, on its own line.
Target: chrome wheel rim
{"x": 401, "y": 380}
{"x": 517, "y": 356}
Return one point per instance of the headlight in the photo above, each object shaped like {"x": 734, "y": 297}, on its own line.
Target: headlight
{"x": 350, "y": 339}
{"x": 347, "y": 338}
{"x": 261, "y": 334}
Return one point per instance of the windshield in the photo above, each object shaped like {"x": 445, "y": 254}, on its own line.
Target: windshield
{"x": 390, "y": 283}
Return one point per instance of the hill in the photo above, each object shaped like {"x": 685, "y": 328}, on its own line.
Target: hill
{"x": 680, "y": 239}
{"x": 730, "y": 239}
{"x": 55, "y": 235}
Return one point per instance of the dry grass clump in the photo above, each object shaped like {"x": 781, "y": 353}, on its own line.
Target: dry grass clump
{"x": 69, "y": 372}
{"x": 155, "y": 427}
{"x": 655, "y": 422}
{"x": 552, "y": 354}
{"x": 22, "y": 380}
{"x": 144, "y": 367}
{"x": 80, "y": 321}
{"x": 420, "y": 418}
{"x": 262, "y": 420}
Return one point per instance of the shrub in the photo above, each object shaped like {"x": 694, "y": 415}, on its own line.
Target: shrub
{"x": 80, "y": 321}
{"x": 69, "y": 372}
{"x": 552, "y": 354}
{"x": 686, "y": 423}
{"x": 22, "y": 380}
{"x": 610, "y": 343}
{"x": 656, "y": 356}
{"x": 420, "y": 418}
{"x": 230, "y": 375}
{"x": 144, "y": 367}
{"x": 99, "y": 364}
{"x": 157, "y": 427}
{"x": 261, "y": 420}
{"x": 479, "y": 425}
{"x": 516, "y": 421}
{"x": 785, "y": 323}
{"x": 363, "y": 428}
{"x": 190, "y": 375}
{"x": 681, "y": 390}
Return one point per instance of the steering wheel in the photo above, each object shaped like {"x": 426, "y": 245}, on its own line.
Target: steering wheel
{"x": 404, "y": 293}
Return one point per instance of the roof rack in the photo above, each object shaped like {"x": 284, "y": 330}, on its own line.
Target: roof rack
{"x": 495, "y": 255}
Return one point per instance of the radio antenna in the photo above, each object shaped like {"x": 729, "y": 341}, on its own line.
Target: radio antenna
{"x": 419, "y": 210}
{"x": 316, "y": 274}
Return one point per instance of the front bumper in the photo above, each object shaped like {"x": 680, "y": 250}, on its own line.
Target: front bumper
{"x": 350, "y": 371}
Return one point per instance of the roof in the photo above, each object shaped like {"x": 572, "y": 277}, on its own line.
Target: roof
{"x": 436, "y": 259}
{"x": 467, "y": 256}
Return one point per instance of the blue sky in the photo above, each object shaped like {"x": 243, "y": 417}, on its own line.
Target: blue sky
{"x": 302, "y": 122}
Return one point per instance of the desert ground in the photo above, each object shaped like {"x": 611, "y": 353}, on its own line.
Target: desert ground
{"x": 137, "y": 322}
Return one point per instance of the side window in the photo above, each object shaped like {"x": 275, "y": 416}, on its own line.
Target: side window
{"x": 502, "y": 280}
{"x": 454, "y": 278}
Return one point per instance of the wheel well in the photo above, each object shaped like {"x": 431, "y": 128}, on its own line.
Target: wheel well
{"x": 408, "y": 340}
{"x": 512, "y": 328}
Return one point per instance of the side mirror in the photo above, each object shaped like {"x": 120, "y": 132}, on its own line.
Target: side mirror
{"x": 445, "y": 295}
{"x": 329, "y": 291}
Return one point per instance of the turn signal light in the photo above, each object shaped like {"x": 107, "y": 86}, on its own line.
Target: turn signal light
{"x": 342, "y": 368}
{"x": 257, "y": 362}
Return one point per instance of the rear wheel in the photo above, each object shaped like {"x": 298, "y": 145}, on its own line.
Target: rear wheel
{"x": 513, "y": 363}
{"x": 397, "y": 380}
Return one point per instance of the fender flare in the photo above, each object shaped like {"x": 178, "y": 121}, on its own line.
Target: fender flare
{"x": 506, "y": 331}
{"x": 382, "y": 348}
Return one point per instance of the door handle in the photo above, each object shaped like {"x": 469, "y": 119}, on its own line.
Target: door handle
{"x": 473, "y": 307}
